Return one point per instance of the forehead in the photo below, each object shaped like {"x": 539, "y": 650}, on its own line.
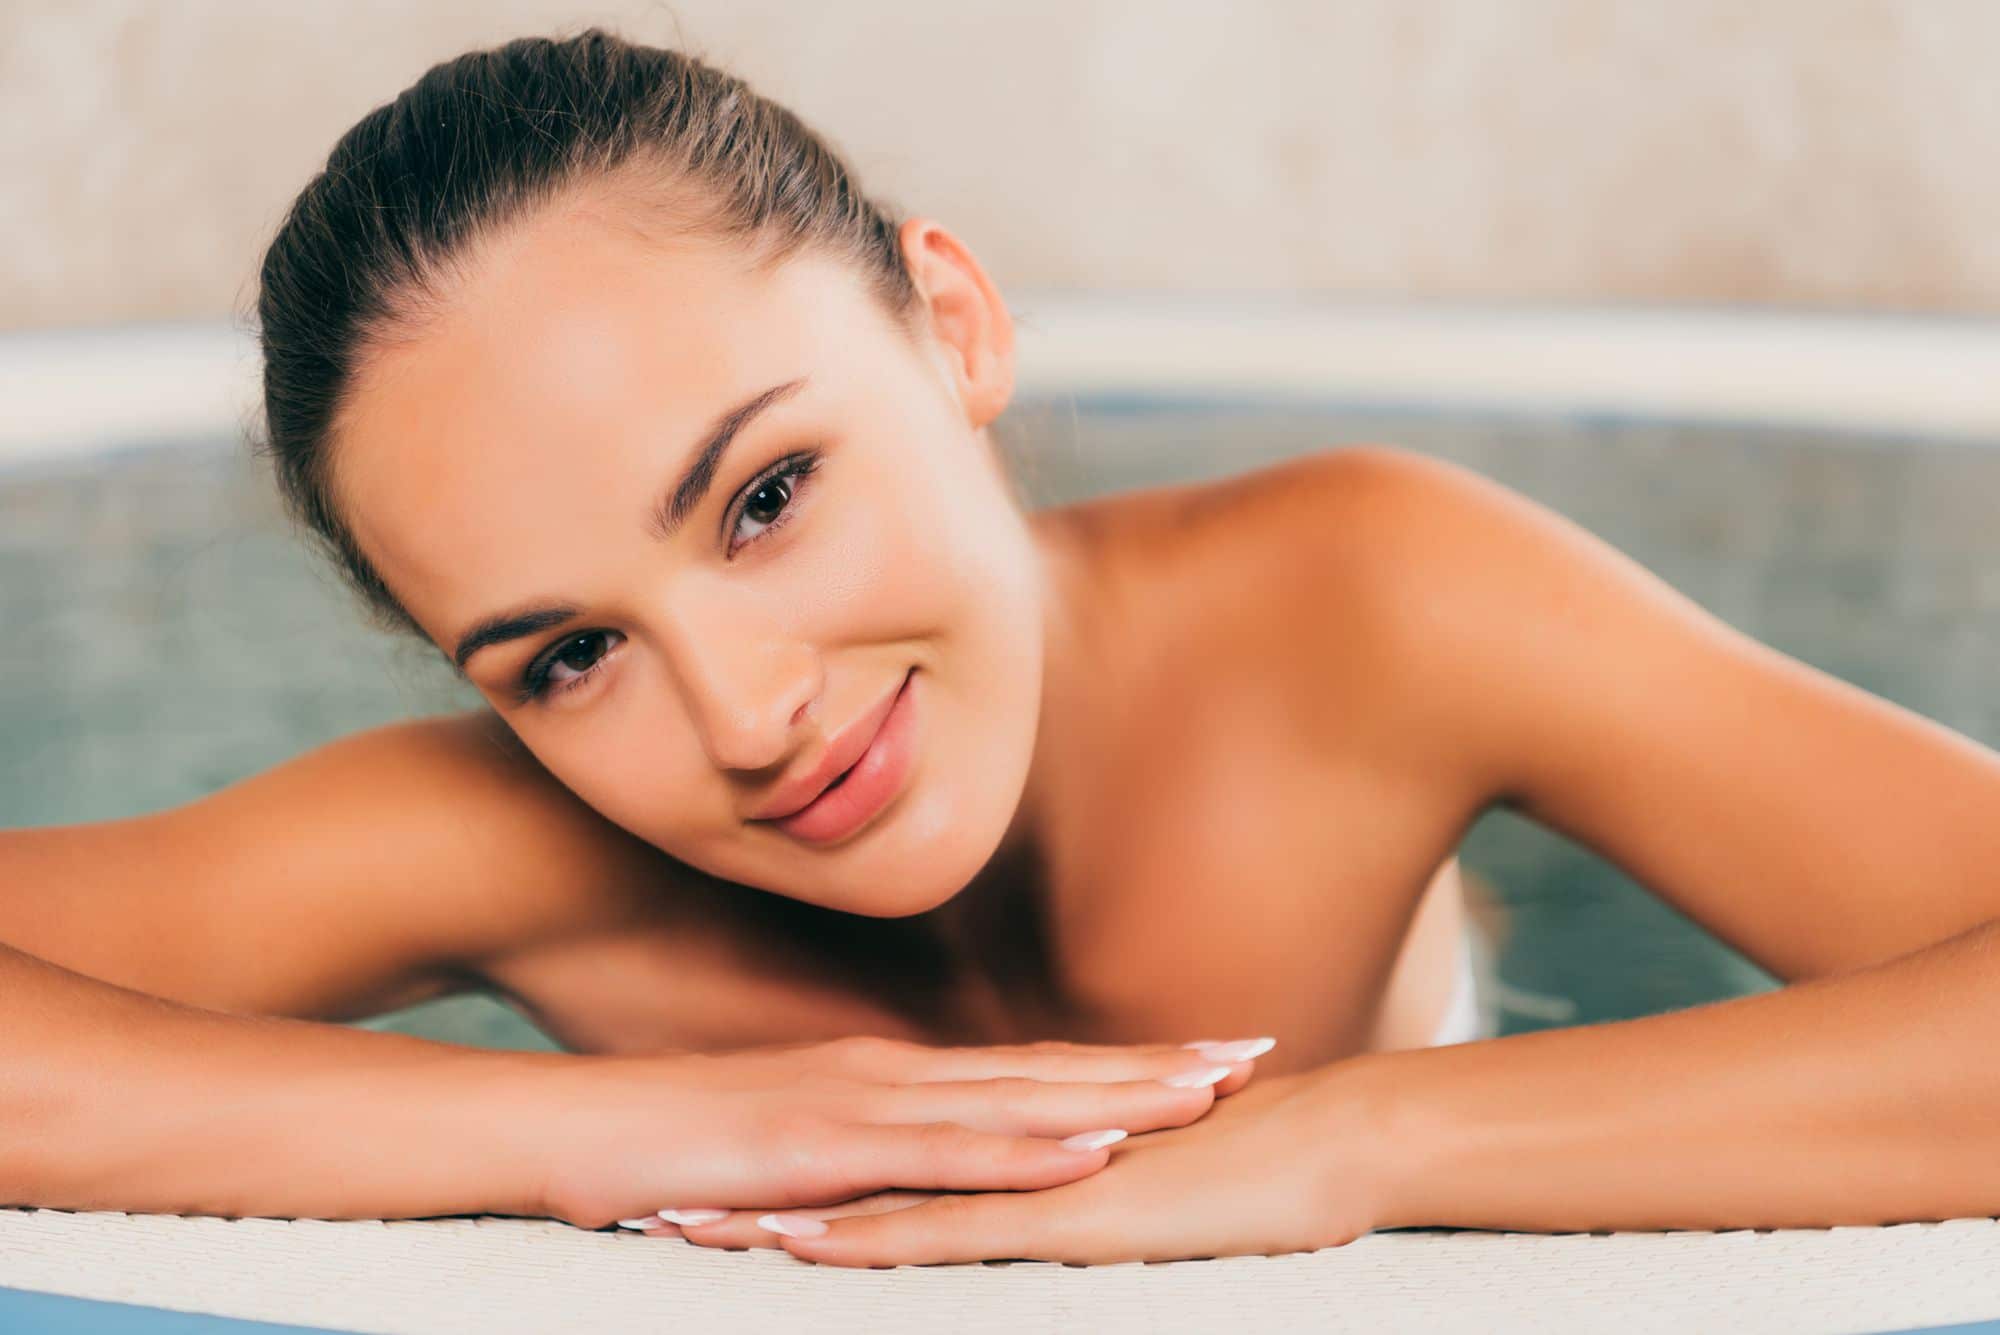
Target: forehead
{"x": 560, "y": 384}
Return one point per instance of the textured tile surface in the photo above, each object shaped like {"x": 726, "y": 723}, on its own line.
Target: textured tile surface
{"x": 487, "y": 1275}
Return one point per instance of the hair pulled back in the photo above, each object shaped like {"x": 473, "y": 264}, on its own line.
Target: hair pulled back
{"x": 479, "y": 141}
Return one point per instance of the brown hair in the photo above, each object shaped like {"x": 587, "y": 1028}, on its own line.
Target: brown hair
{"x": 479, "y": 141}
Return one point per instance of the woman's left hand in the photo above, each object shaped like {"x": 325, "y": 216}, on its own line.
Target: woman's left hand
{"x": 1291, "y": 1164}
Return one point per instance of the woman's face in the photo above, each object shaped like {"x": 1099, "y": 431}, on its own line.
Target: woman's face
{"x": 696, "y": 530}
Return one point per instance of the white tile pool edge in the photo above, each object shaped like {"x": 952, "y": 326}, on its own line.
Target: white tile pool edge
{"x": 76, "y": 390}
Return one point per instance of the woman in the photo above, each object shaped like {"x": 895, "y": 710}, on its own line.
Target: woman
{"x": 594, "y": 369}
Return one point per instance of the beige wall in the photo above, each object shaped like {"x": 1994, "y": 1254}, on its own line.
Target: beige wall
{"x": 1813, "y": 152}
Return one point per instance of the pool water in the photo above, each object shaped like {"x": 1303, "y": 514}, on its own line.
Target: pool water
{"x": 167, "y": 634}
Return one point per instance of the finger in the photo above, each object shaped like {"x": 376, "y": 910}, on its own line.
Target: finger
{"x": 944, "y": 1156}
{"x": 1056, "y": 1062}
{"x": 740, "y": 1230}
{"x": 945, "y": 1229}
{"x": 1016, "y": 1106}
{"x": 651, "y": 1226}
{"x": 1239, "y": 1076}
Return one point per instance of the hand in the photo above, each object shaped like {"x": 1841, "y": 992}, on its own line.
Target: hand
{"x": 1294, "y": 1164}
{"x": 833, "y": 1121}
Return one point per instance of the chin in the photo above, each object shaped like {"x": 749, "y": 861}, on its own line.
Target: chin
{"x": 938, "y": 851}
{"x": 904, "y": 902}
{"x": 934, "y": 843}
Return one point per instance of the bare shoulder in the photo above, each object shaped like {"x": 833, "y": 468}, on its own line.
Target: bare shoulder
{"x": 1310, "y": 610}
{"x": 1261, "y": 730}
{"x": 1338, "y": 511}
{"x": 464, "y": 796}
{"x": 1373, "y": 517}
{"x": 367, "y": 873}
{"x": 1456, "y": 622}
{"x": 1413, "y": 554}
{"x": 1340, "y": 554}
{"x": 1364, "y": 590}
{"x": 440, "y": 841}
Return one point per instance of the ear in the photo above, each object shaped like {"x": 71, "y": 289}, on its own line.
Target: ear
{"x": 967, "y": 316}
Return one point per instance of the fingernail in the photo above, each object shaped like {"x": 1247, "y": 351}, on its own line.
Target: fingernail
{"x": 1242, "y": 1050}
{"x": 791, "y": 1225}
{"x": 694, "y": 1216}
{"x": 1093, "y": 1140}
{"x": 650, "y": 1221}
{"x": 1200, "y": 1078}
{"x": 1202, "y": 1043}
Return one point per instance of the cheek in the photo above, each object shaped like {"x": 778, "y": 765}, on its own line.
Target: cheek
{"x": 624, "y": 766}
{"x": 979, "y": 578}
{"x": 887, "y": 558}
{"x": 618, "y": 790}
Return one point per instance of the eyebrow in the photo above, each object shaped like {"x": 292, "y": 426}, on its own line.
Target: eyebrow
{"x": 688, "y": 492}
{"x": 666, "y": 519}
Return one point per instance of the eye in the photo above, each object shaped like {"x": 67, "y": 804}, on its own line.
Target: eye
{"x": 764, "y": 505}
{"x": 566, "y": 662}
{"x": 767, "y": 502}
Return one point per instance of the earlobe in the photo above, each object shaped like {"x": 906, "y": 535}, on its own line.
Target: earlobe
{"x": 966, "y": 314}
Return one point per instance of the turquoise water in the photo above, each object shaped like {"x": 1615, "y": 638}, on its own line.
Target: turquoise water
{"x": 167, "y": 634}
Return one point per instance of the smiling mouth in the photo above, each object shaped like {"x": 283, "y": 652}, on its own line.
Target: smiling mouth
{"x": 875, "y": 779}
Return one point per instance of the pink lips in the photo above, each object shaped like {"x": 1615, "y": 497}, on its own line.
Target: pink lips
{"x": 864, "y": 786}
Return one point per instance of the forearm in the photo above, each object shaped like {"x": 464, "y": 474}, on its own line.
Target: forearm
{"x": 1863, "y": 1098}
{"x": 111, "y": 1099}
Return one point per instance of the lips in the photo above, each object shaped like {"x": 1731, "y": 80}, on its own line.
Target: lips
{"x": 869, "y": 782}
{"x": 842, "y": 754}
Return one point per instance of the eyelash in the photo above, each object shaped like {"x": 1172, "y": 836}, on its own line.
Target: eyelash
{"x": 535, "y": 678}
{"x": 792, "y": 467}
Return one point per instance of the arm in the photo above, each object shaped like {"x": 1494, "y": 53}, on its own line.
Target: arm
{"x": 370, "y": 873}
{"x": 375, "y": 871}
{"x": 412, "y": 861}
{"x": 1858, "y": 1099}
{"x": 1846, "y": 844}
{"x": 114, "y": 1100}
{"x": 136, "y": 956}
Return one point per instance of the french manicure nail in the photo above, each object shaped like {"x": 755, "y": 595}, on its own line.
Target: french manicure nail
{"x": 1092, "y": 1140}
{"x": 650, "y": 1221}
{"x": 1200, "y": 1078}
{"x": 1242, "y": 1050}
{"x": 1201, "y": 1043}
{"x": 791, "y": 1225}
{"x": 692, "y": 1217}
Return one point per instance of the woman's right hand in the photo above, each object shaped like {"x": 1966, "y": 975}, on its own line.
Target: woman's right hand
{"x": 827, "y": 1122}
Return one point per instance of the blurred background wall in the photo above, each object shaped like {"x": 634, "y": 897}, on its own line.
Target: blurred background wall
{"x": 1811, "y": 153}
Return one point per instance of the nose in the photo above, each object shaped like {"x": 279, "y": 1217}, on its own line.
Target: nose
{"x": 749, "y": 682}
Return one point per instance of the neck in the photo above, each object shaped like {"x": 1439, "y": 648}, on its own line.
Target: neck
{"x": 996, "y": 927}
{"x": 1066, "y": 578}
